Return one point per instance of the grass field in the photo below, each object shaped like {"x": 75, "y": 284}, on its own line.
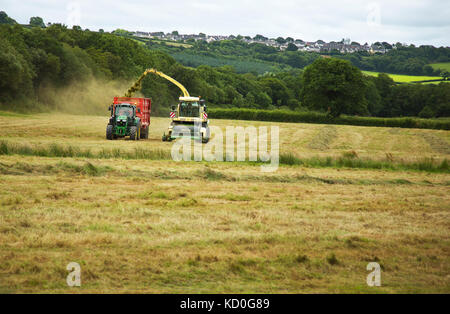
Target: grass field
{"x": 399, "y": 78}
{"x": 172, "y": 43}
{"x": 137, "y": 225}
{"x": 142, "y": 41}
{"x": 441, "y": 66}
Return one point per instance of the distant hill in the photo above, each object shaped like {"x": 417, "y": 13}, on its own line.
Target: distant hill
{"x": 257, "y": 57}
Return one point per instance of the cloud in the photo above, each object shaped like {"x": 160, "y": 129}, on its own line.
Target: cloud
{"x": 412, "y": 21}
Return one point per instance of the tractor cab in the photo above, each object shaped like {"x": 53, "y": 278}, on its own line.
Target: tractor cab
{"x": 123, "y": 121}
{"x": 125, "y": 111}
{"x": 122, "y": 115}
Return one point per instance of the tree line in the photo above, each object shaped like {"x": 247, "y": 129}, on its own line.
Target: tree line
{"x": 408, "y": 60}
{"x": 399, "y": 59}
{"x": 35, "y": 57}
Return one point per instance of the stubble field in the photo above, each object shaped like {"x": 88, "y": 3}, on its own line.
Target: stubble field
{"x": 160, "y": 226}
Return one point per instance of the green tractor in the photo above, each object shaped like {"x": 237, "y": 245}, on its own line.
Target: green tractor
{"x": 124, "y": 122}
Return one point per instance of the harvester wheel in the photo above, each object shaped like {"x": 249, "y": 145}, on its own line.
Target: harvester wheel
{"x": 133, "y": 133}
{"x": 109, "y": 132}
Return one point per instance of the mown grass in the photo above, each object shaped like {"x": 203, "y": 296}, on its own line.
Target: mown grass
{"x": 307, "y": 140}
{"x": 237, "y": 233}
{"x": 153, "y": 225}
{"x": 323, "y": 118}
{"x": 347, "y": 160}
{"x": 57, "y": 150}
{"x": 86, "y": 168}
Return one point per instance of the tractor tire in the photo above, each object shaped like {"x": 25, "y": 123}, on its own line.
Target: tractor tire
{"x": 109, "y": 132}
{"x": 133, "y": 133}
{"x": 138, "y": 132}
{"x": 144, "y": 133}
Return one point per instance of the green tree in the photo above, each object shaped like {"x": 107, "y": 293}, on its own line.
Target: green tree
{"x": 373, "y": 97}
{"x": 37, "y": 21}
{"x": 335, "y": 86}
{"x": 280, "y": 40}
{"x": 15, "y": 72}
{"x": 260, "y": 37}
{"x": 276, "y": 89}
{"x": 121, "y": 32}
{"x": 5, "y": 19}
{"x": 426, "y": 112}
{"x": 384, "y": 84}
{"x": 291, "y": 47}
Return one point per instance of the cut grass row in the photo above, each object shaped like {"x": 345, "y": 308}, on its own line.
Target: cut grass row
{"x": 87, "y": 169}
{"x": 323, "y": 118}
{"x": 347, "y": 160}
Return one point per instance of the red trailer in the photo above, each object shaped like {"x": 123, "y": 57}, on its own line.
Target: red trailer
{"x": 143, "y": 111}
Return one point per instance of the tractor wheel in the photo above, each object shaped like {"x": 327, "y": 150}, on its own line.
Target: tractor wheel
{"x": 144, "y": 133}
{"x": 138, "y": 132}
{"x": 164, "y": 138}
{"x": 133, "y": 133}
{"x": 109, "y": 132}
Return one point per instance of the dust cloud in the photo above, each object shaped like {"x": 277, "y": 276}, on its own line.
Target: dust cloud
{"x": 90, "y": 97}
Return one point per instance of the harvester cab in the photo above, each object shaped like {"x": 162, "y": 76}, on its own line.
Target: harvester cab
{"x": 129, "y": 117}
{"x": 189, "y": 118}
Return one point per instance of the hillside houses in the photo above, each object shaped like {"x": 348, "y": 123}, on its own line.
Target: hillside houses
{"x": 319, "y": 46}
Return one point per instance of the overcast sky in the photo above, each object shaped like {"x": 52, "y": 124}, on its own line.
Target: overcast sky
{"x": 425, "y": 22}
